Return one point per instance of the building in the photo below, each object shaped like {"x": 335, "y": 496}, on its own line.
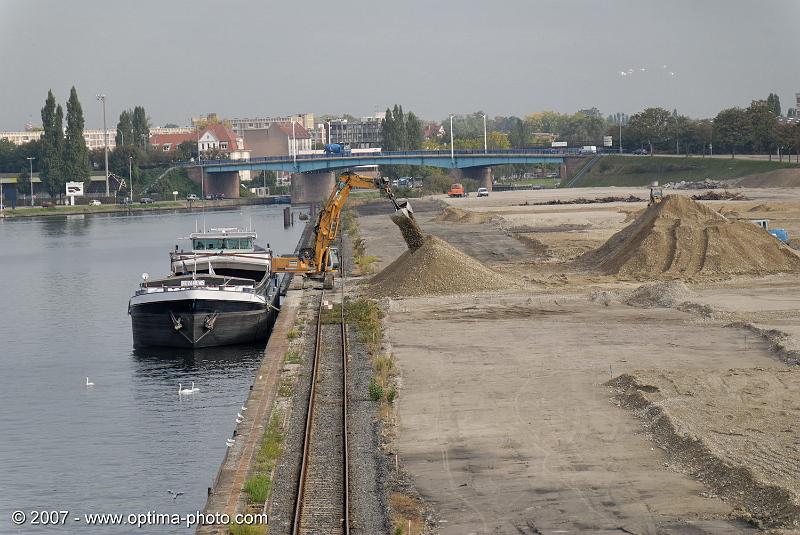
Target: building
{"x": 364, "y": 134}
{"x": 94, "y": 138}
{"x": 797, "y": 103}
{"x": 20, "y": 138}
{"x": 219, "y": 137}
{"x": 306, "y": 120}
{"x": 156, "y": 130}
{"x": 168, "y": 142}
{"x": 279, "y": 139}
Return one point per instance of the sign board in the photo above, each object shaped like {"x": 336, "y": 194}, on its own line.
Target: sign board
{"x": 608, "y": 141}
{"x": 558, "y": 144}
{"x": 74, "y": 189}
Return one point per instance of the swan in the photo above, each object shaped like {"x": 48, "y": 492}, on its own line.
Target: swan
{"x": 194, "y": 390}
{"x": 239, "y": 416}
{"x": 244, "y": 408}
{"x": 182, "y": 391}
{"x": 89, "y": 383}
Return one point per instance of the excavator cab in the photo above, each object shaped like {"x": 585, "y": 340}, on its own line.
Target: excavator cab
{"x": 655, "y": 194}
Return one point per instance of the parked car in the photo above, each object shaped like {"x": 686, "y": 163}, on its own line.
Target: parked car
{"x": 640, "y": 152}
{"x": 209, "y": 197}
{"x": 146, "y": 200}
{"x": 94, "y": 202}
{"x": 192, "y": 197}
{"x": 483, "y": 192}
{"x": 124, "y": 200}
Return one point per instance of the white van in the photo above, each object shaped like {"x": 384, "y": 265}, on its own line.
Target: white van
{"x": 588, "y": 149}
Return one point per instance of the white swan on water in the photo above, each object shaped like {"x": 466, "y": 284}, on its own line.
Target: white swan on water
{"x": 194, "y": 390}
{"x": 184, "y": 391}
{"x": 89, "y": 383}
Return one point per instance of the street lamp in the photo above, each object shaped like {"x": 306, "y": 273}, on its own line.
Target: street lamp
{"x": 30, "y": 159}
{"x": 485, "y": 144}
{"x": 452, "y": 155}
{"x": 294, "y": 146}
{"x": 102, "y": 98}
{"x": 130, "y": 174}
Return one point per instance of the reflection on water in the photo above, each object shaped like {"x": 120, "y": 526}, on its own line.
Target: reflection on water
{"x": 117, "y": 446}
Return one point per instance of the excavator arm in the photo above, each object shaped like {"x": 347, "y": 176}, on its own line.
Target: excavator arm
{"x": 314, "y": 260}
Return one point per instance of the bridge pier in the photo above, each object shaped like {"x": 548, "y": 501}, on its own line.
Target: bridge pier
{"x": 482, "y": 174}
{"x": 227, "y": 183}
{"x": 312, "y": 187}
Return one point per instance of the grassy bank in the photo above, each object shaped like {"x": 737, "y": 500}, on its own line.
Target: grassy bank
{"x": 115, "y": 208}
{"x": 641, "y": 170}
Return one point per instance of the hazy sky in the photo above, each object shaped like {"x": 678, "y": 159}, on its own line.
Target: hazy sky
{"x": 180, "y": 58}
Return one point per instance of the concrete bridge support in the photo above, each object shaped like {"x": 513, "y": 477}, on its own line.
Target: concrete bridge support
{"x": 482, "y": 174}
{"x": 312, "y": 187}
{"x": 226, "y": 183}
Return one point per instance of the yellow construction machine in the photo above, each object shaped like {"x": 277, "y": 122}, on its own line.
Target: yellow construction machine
{"x": 315, "y": 261}
{"x": 655, "y": 194}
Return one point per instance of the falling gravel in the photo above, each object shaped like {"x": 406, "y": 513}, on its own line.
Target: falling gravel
{"x": 412, "y": 234}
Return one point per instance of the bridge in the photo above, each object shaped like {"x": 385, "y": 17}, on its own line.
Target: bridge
{"x": 315, "y": 173}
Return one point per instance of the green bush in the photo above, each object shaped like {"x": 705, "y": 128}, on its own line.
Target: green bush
{"x": 391, "y": 395}
{"x": 375, "y": 390}
{"x": 257, "y": 488}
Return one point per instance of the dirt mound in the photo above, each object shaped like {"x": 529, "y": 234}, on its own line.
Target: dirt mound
{"x": 761, "y": 208}
{"x": 730, "y": 429}
{"x": 681, "y": 238}
{"x": 659, "y": 294}
{"x": 435, "y": 268}
{"x": 457, "y": 215}
{"x": 780, "y": 178}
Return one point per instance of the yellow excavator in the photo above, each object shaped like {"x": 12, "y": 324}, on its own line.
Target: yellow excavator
{"x": 315, "y": 261}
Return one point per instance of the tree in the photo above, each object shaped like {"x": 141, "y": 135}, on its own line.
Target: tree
{"x": 76, "y": 155}
{"x": 141, "y": 128}
{"x": 125, "y": 129}
{"x": 51, "y": 167}
{"x": 764, "y": 126}
{"x": 651, "y": 125}
{"x": 498, "y": 140}
{"x": 413, "y": 132}
{"x": 518, "y": 136}
{"x": 186, "y": 151}
{"x": 791, "y": 112}
{"x": 546, "y": 121}
{"x": 732, "y": 130}
{"x": 774, "y": 104}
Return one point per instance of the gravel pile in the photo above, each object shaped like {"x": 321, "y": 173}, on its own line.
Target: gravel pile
{"x": 680, "y": 238}
{"x": 659, "y": 294}
{"x": 435, "y": 268}
{"x": 724, "y": 195}
{"x": 457, "y": 215}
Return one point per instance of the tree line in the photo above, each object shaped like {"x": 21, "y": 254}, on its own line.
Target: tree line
{"x": 755, "y": 129}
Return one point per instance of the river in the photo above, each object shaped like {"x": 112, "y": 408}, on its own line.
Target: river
{"x": 118, "y": 446}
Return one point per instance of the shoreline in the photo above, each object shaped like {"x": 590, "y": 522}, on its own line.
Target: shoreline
{"x": 37, "y": 211}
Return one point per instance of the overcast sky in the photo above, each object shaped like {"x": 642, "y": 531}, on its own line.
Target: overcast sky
{"x": 180, "y": 58}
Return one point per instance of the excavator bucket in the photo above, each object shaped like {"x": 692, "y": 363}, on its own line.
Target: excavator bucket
{"x": 404, "y": 207}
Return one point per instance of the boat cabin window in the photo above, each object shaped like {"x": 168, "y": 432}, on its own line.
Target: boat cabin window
{"x": 221, "y": 243}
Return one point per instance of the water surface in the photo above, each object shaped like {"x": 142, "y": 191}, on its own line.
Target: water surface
{"x": 118, "y": 446}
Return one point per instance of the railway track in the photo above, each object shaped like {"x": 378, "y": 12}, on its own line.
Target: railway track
{"x": 322, "y": 500}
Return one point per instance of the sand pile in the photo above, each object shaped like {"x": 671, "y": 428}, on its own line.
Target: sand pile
{"x": 435, "y": 268}
{"x": 680, "y": 238}
{"x": 760, "y": 208}
{"x": 457, "y": 215}
{"x": 659, "y": 294}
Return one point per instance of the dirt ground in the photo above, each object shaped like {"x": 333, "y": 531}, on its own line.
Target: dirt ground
{"x": 510, "y": 419}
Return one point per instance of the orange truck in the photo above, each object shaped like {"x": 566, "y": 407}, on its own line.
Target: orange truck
{"x": 457, "y": 190}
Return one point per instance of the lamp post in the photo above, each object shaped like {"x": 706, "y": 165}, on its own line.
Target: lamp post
{"x": 452, "y": 154}
{"x": 485, "y": 144}
{"x": 130, "y": 174}
{"x": 30, "y": 160}
{"x": 199, "y": 162}
{"x": 620, "y": 134}
{"x": 102, "y": 98}
{"x": 294, "y": 146}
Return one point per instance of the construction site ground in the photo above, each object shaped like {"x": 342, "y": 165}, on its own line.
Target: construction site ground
{"x": 562, "y": 405}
